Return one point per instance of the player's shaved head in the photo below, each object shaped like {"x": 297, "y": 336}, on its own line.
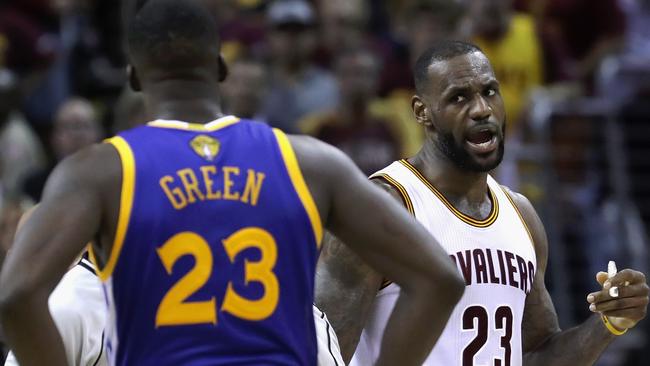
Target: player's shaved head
{"x": 174, "y": 36}
{"x": 441, "y": 51}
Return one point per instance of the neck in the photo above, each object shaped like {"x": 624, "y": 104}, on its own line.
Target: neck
{"x": 453, "y": 182}
{"x": 193, "y": 101}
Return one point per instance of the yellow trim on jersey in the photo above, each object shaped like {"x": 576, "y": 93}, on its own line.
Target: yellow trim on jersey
{"x": 400, "y": 188}
{"x": 492, "y": 217}
{"x": 126, "y": 202}
{"x": 208, "y": 127}
{"x": 521, "y": 217}
{"x": 299, "y": 184}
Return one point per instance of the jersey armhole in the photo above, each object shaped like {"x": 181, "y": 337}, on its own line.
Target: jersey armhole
{"x": 126, "y": 202}
{"x": 298, "y": 181}
{"x": 406, "y": 200}
{"x": 521, "y": 218}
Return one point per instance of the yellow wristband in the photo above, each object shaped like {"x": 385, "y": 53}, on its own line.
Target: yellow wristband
{"x": 612, "y": 329}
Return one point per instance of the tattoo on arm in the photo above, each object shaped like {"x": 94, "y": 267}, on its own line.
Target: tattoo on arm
{"x": 346, "y": 288}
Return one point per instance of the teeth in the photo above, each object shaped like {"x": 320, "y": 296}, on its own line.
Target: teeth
{"x": 483, "y": 144}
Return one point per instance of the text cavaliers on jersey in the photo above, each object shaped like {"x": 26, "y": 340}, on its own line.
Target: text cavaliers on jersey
{"x": 497, "y": 259}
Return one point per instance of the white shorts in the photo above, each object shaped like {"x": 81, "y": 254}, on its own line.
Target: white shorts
{"x": 329, "y": 352}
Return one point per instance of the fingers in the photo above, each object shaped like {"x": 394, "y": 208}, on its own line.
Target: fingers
{"x": 636, "y": 304}
{"x": 626, "y": 275}
{"x": 601, "y": 277}
{"x": 638, "y": 290}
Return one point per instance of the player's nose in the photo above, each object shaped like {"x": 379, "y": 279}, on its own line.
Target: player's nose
{"x": 480, "y": 109}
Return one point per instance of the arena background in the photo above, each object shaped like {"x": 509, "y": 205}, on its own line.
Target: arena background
{"x": 575, "y": 76}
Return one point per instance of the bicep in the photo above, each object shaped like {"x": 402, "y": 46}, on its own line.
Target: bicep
{"x": 540, "y": 319}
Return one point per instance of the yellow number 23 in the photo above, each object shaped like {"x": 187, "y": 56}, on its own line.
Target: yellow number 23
{"x": 174, "y": 310}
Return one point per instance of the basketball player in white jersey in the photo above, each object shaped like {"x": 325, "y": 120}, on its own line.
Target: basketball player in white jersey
{"x": 492, "y": 234}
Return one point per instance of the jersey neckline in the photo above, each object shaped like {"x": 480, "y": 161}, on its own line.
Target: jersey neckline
{"x": 208, "y": 127}
{"x": 489, "y": 220}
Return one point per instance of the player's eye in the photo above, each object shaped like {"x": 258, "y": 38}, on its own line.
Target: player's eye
{"x": 458, "y": 98}
{"x": 490, "y": 92}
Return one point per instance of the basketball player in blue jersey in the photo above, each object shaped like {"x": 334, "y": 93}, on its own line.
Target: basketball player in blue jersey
{"x": 208, "y": 227}
{"x": 492, "y": 235}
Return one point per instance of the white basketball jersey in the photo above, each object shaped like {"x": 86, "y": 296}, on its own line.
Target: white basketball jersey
{"x": 495, "y": 256}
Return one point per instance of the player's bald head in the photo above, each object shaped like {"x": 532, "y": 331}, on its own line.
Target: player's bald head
{"x": 174, "y": 36}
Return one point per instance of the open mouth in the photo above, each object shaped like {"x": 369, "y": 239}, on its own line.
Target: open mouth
{"x": 482, "y": 140}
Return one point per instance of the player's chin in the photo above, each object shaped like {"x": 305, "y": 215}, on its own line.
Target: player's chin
{"x": 486, "y": 161}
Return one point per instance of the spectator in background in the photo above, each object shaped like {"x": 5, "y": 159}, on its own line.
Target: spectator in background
{"x": 417, "y": 27}
{"x": 638, "y": 29}
{"x": 20, "y": 149}
{"x": 297, "y": 87}
{"x": 27, "y": 30}
{"x": 89, "y": 60}
{"x": 244, "y": 89}
{"x": 578, "y": 34}
{"x": 241, "y": 27}
{"x": 366, "y": 137}
{"x": 76, "y": 126}
{"x": 511, "y": 43}
{"x": 344, "y": 25}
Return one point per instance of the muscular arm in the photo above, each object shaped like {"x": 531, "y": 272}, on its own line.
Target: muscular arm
{"x": 544, "y": 343}
{"x": 346, "y": 287}
{"x": 68, "y": 217}
{"x": 377, "y": 229}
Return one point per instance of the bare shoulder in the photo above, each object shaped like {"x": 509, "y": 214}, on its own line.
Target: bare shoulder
{"x": 97, "y": 166}
{"x": 315, "y": 156}
{"x": 532, "y": 221}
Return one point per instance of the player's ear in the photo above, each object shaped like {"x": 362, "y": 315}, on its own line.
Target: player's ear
{"x": 134, "y": 81}
{"x": 421, "y": 111}
{"x": 223, "y": 69}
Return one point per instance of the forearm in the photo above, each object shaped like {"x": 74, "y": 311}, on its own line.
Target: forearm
{"x": 578, "y": 346}
{"x": 415, "y": 326}
{"x": 31, "y": 332}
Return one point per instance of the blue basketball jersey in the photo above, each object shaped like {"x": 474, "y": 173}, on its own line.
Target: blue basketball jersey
{"x": 215, "y": 250}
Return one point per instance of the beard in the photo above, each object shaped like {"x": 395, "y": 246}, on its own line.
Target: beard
{"x": 460, "y": 157}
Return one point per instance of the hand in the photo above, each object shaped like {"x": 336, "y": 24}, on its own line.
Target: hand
{"x": 626, "y": 310}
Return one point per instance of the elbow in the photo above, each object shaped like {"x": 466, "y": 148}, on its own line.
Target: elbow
{"x": 13, "y": 298}
{"x": 453, "y": 285}
{"x": 444, "y": 286}
{"x": 9, "y": 301}
{"x": 448, "y": 283}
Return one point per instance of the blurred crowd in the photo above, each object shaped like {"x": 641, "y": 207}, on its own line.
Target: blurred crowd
{"x": 339, "y": 70}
